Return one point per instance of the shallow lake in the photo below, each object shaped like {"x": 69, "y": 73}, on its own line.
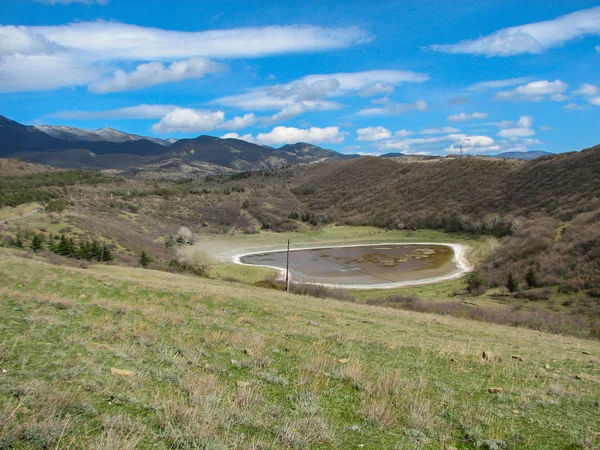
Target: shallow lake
{"x": 362, "y": 265}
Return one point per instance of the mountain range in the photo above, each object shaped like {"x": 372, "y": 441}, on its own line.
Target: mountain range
{"x": 110, "y": 149}
{"x": 107, "y": 148}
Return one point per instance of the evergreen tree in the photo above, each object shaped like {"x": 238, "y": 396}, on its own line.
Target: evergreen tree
{"x": 531, "y": 279}
{"x": 18, "y": 241}
{"x": 50, "y": 244}
{"x": 105, "y": 253}
{"x": 37, "y": 242}
{"x": 476, "y": 283}
{"x": 511, "y": 283}
{"x": 144, "y": 259}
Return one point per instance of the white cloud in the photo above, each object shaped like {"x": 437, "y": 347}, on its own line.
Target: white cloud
{"x": 587, "y": 90}
{"x": 76, "y": 54}
{"x": 535, "y": 91}
{"x": 44, "y": 72}
{"x": 497, "y": 84}
{"x": 22, "y": 41}
{"x": 373, "y": 134}
{"x": 402, "y": 133}
{"x": 394, "y": 108}
{"x": 295, "y": 109}
{"x": 114, "y": 40}
{"x": 290, "y": 135}
{"x": 442, "y": 130}
{"x": 598, "y": 48}
{"x": 575, "y": 107}
{"x": 377, "y": 89}
{"x": 531, "y": 38}
{"x": 525, "y": 121}
{"x": 516, "y": 132}
{"x": 463, "y": 117}
{"x": 143, "y": 111}
{"x": 239, "y": 123}
{"x": 429, "y": 145}
{"x": 317, "y": 87}
{"x": 150, "y": 74}
{"x": 187, "y": 120}
{"x": 546, "y": 128}
{"x": 309, "y": 93}
{"x": 595, "y": 101}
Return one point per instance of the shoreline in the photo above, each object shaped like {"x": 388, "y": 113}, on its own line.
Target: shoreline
{"x": 460, "y": 259}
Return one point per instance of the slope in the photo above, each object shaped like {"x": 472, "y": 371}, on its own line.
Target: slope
{"x": 130, "y": 358}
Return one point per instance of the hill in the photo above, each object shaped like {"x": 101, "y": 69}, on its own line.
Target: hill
{"x": 522, "y": 155}
{"x": 110, "y": 149}
{"x": 134, "y": 358}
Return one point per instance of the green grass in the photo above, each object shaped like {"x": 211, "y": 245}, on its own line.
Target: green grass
{"x": 221, "y": 365}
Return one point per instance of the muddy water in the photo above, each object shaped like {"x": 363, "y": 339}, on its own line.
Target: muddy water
{"x": 376, "y": 264}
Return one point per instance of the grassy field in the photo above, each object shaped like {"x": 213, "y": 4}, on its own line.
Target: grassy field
{"x": 113, "y": 357}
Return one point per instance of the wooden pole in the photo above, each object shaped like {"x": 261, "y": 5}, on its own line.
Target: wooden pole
{"x": 287, "y": 268}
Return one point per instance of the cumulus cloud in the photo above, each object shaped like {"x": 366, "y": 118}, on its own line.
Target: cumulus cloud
{"x": 442, "y": 130}
{"x": 463, "y": 117}
{"x": 311, "y": 92}
{"x": 373, "y": 134}
{"x": 187, "y": 120}
{"x": 143, "y": 111}
{"x": 531, "y": 38}
{"x": 536, "y": 91}
{"x": 290, "y": 135}
{"x": 595, "y": 101}
{"x": 598, "y": 48}
{"x": 239, "y": 123}
{"x": 392, "y": 108}
{"x": 296, "y": 108}
{"x": 83, "y": 53}
{"x": 587, "y": 90}
{"x": 497, "y": 84}
{"x": 154, "y": 73}
{"x": 315, "y": 87}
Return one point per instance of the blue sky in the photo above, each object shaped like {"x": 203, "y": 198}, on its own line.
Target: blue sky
{"x": 425, "y": 77}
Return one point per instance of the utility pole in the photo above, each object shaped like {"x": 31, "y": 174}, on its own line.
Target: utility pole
{"x": 287, "y": 269}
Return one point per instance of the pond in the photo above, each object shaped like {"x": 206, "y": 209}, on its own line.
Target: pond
{"x": 367, "y": 266}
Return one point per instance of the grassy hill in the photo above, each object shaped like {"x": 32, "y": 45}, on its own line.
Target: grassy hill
{"x": 114, "y": 357}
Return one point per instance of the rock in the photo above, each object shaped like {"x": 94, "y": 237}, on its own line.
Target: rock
{"x": 249, "y": 352}
{"x": 547, "y": 366}
{"x": 242, "y": 384}
{"x": 495, "y": 390}
{"x": 120, "y": 372}
{"x": 311, "y": 323}
{"x": 343, "y": 361}
{"x": 585, "y": 353}
{"x": 517, "y": 357}
{"x": 515, "y": 411}
{"x": 488, "y": 356}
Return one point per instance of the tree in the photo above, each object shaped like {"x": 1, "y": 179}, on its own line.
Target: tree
{"x": 37, "y": 242}
{"x": 530, "y": 278}
{"x": 18, "y": 241}
{"x": 476, "y": 283}
{"x": 105, "y": 253}
{"x": 511, "y": 283}
{"x": 144, "y": 259}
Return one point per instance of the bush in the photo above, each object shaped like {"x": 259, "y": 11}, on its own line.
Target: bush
{"x": 476, "y": 283}
{"x": 535, "y": 294}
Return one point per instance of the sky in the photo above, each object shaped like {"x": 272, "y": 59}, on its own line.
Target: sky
{"x": 432, "y": 77}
